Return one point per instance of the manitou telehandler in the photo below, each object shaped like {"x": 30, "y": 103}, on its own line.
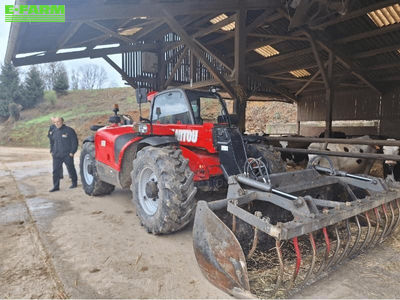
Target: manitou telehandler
{"x": 299, "y": 224}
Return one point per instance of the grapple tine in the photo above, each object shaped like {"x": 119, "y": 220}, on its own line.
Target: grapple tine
{"x": 281, "y": 266}
{"x": 254, "y": 245}
{"x": 355, "y": 245}
{"x": 314, "y": 255}
{"x": 335, "y": 254}
{"x": 377, "y": 221}
{"x": 347, "y": 243}
{"x": 381, "y": 238}
{"x": 298, "y": 261}
{"x": 327, "y": 250}
{"x": 390, "y": 229}
{"x": 398, "y": 215}
{"x": 368, "y": 231}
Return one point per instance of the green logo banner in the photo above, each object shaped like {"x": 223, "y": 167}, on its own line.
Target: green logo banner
{"x": 35, "y": 13}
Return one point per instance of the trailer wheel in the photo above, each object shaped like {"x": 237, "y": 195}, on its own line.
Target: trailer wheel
{"x": 91, "y": 183}
{"x": 271, "y": 158}
{"x": 163, "y": 189}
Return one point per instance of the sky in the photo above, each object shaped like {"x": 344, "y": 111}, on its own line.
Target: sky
{"x": 114, "y": 78}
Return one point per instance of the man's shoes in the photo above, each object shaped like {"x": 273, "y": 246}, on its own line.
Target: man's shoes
{"x": 74, "y": 185}
{"x": 54, "y": 189}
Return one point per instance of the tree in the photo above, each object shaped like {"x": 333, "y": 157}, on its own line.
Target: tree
{"x": 61, "y": 81}
{"x": 75, "y": 79}
{"x": 33, "y": 90}
{"x": 92, "y": 76}
{"x": 49, "y": 73}
{"x": 10, "y": 88}
{"x": 10, "y": 83}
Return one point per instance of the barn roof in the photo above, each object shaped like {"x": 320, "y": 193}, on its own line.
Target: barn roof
{"x": 279, "y": 49}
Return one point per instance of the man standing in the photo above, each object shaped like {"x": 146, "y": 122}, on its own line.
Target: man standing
{"x": 63, "y": 147}
{"x": 52, "y": 128}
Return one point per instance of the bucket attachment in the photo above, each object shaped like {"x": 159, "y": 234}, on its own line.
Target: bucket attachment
{"x": 270, "y": 239}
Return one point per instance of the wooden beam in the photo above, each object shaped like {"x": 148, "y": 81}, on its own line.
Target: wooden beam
{"x": 341, "y": 58}
{"x": 177, "y": 65}
{"x": 67, "y": 35}
{"x": 280, "y": 57}
{"x": 368, "y": 34}
{"x": 176, "y": 27}
{"x": 315, "y": 76}
{"x": 265, "y": 17}
{"x": 108, "y": 31}
{"x": 214, "y": 27}
{"x": 277, "y": 36}
{"x": 357, "y": 13}
{"x": 383, "y": 66}
{"x": 93, "y": 40}
{"x": 96, "y": 9}
{"x": 329, "y": 96}
{"x": 285, "y": 70}
{"x": 239, "y": 106}
{"x": 120, "y": 71}
{"x": 376, "y": 51}
{"x": 219, "y": 59}
{"x": 318, "y": 59}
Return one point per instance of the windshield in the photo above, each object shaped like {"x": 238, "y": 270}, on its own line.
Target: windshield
{"x": 207, "y": 107}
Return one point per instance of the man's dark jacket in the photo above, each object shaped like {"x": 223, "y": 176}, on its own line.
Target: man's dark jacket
{"x": 64, "y": 141}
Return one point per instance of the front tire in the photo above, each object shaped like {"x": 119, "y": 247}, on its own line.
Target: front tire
{"x": 91, "y": 182}
{"x": 163, "y": 189}
{"x": 271, "y": 158}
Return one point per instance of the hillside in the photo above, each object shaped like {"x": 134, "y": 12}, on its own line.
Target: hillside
{"x": 81, "y": 109}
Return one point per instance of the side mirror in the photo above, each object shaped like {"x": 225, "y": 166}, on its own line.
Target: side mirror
{"x": 234, "y": 119}
{"x": 141, "y": 95}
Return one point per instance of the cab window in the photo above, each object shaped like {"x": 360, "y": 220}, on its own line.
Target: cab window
{"x": 171, "y": 108}
{"x": 206, "y": 107}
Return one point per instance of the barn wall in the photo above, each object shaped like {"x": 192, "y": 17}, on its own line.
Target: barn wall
{"x": 351, "y": 105}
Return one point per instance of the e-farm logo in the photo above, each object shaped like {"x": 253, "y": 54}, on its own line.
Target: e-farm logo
{"x": 35, "y": 13}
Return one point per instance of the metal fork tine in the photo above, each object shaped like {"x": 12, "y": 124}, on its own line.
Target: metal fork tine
{"x": 368, "y": 231}
{"x": 347, "y": 242}
{"x": 377, "y": 220}
{"x": 390, "y": 228}
{"x": 281, "y": 266}
{"x": 334, "y": 257}
{"x": 327, "y": 250}
{"x": 255, "y": 242}
{"x": 398, "y": 215}
{"x": 381, "y": 238}
{"x": 298, "y": 261}
{"x": 353, "y": 249}
{"x": 314, "y": 255}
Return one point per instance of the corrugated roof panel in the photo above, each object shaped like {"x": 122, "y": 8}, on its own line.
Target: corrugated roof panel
{"x": 267, "y": 51}
{"x": 221, "y": 17}
{"x": 386, "y": 16}
{"x": 300, "y": 73}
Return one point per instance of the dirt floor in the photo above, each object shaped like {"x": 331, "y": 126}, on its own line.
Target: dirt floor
{"x": 69, "y": 245}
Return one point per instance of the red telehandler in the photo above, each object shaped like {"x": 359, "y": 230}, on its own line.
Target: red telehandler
{"x": 190, "y": 143}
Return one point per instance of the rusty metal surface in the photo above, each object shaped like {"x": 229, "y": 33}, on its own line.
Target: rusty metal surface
{"x": 219, "y": 253}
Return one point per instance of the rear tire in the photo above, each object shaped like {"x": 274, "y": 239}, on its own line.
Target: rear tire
{"x": 163, "y": 189}
{"x": 271, "y": 158}
{"x": 91, "y": 183}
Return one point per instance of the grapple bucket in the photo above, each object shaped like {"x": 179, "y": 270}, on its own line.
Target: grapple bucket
{"x": 268, "y": 240}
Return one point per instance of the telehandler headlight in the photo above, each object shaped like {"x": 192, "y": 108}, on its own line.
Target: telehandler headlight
{"x": 142, "y": 128}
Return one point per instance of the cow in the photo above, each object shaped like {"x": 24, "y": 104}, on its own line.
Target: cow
{"x": 391, "y": 168}
{"x": 347, "y": 164}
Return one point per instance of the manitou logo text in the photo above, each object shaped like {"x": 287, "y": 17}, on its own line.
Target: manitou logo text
{"x": 186, "y": 136}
